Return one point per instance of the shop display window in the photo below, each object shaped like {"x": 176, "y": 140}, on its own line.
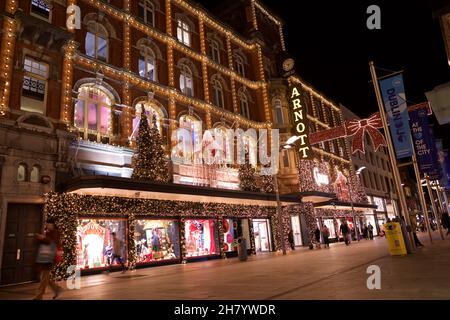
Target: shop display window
{"x": 331, "y": 227}
{"x": 156, "y": 240}
{"x": 201, "y": 238}
{"x": 230, "y": 234}
{"x": 95, "y": 243}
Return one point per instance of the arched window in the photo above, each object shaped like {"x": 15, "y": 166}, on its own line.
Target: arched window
{"x": 93, "y": 112}
{"x": 151, "y": 111}
{"x": 279, "y": 115}
{"x": 96, "y": 42}
{"x": 35, "y": 174}
{"x": 147, "y": 64}
{"x": 186, "y": 81}
{"x": 239, "y": 65}
{"x": 218, "y": 94}
{"x": 244, "y": 105}
{"x": 146, "y": 12}
{"x": 183, "y": 32}
{"x": 22, "y": 172}
{"x": 214, "y": 50}
{"x": 187, "y": 139}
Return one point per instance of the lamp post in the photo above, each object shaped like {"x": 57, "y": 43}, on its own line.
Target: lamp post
{"x": 289, "y": 143}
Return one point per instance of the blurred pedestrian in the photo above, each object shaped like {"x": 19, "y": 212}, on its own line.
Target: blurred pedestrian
{"x": 345, "y": 231}
{"x": 291, "y": 239}
{"x": 48, "y": 242}
{"x": 317, "y": 235}
{"x": 370, "y": 231}
{"x": 326, "y": 236}
{"x": 117, "y": 252}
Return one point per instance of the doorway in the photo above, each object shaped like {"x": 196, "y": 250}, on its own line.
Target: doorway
{"x": 262, "y": 235}
{"x": 296, "y": 229}
{"x": 19, "y": 250}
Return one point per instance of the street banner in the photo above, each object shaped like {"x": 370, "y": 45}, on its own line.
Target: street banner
{"x": 394, "y": 100}
{"x": 423, "y": 142}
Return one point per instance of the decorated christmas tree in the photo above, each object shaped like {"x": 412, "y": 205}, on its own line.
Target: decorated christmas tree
{"x": 149, "y": 163}
{"x": 247, "y": 176}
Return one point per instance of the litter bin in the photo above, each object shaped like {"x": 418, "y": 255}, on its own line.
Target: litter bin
{"x": 242, "y": 249}
{"x": 394, "y": 237}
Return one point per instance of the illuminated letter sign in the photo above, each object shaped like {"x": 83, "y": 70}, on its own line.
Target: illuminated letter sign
{"x": 73, "y": 17}
{"x": 299, "y": 117}
{"x": 320, "y": 177}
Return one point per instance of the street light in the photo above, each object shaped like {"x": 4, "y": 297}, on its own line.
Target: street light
{"x": 287, "y": 145}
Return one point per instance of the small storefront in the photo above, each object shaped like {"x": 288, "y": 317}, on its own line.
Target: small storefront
{"x": 262, "y": 233}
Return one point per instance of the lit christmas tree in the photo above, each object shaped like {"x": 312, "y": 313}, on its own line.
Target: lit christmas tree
{"x": 149, "y": 163}
{"x": 247, "y": 176}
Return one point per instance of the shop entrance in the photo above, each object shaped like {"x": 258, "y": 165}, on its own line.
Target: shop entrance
{"x": 262, "y": 235}
{"x": 19, "y": 249}
{"x": 295, "y": 222}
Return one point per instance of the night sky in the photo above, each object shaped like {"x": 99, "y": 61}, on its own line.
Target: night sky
{"x": 332, "y": 47}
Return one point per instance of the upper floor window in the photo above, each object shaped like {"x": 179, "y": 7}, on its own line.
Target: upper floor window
{"x": 35, "y": 174}
{"x": 22, "y": 172}
{"x": 151, "y": 111}
{"x": 244, "y": 105}
{"x": 147, "y": 64}
{"x": 279, "y": 116}
{"x": 146, "y": 12}
{"x": 186, "y": 81}
{"x": 183, "y": 32}
{"x": 285, "y": 158}
{"x": 40, "y": 8}
{"x": 96, "y": 42}
{"x": 34, "y": 85}
{"x": 218, "y": 94}
{"x": 92, "y": 114}
{"x": 214, "y": 51}
{"x": 239, "y": 65}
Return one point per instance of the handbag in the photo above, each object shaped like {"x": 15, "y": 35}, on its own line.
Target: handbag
{"x": 46, "y": 253}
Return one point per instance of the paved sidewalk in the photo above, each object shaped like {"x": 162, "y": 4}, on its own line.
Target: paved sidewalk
{"x": 335, "y": 273}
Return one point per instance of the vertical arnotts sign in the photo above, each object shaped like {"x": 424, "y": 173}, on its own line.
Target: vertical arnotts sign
{"x": 299, "y": 118}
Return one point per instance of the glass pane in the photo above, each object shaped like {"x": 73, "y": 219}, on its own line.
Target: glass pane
{"x": 157, "y": 240}
{"x": 189, "y": 86}
{"x": 96, "y": 244}
{"x": 92, "y": 116}
{"x": 21, "y": 173}
{"x": 102, "y": 48}
{"x": 182, "y": 83}
{"x": 34, "y": 176}
{"x": 186, "y": 38}
{"x": 90, "y": 44}
{"x": 105, "y": 120}
{"x": 79, "y": 114}
{"x": 141, "y": 11}
{"x": 179, "y": 33}
{"x": 142, "y": 67}
{"x": 201, "y": 238}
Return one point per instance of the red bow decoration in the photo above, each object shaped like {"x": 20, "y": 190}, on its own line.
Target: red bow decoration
{"x": 357, "y": 128}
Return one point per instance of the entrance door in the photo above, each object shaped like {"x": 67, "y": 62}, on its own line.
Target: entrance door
{"x": 19, "y": 251}
{"x": 295, "y": 221}
{"x": 262, "y": 237}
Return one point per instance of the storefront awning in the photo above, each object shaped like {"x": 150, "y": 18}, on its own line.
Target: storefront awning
{"x": 312, "y": 196}
{"x": 342, "y": 205}
{"x": 129, "y": 188}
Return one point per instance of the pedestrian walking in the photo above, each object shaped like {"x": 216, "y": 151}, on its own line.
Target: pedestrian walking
{"x": 446, "y": 222}
{"x": 326, "y": 236}
{"x": 365, "y": 233}
{"x": 49, "y": 242}
{"x": 117, "y": 252}
{"x": 317, "y": 235}
{"x": 345, "y": 231}
{"x": 370, "y": 231}
{"x": 413, "y": 220}
{"x": 291, "y": 239}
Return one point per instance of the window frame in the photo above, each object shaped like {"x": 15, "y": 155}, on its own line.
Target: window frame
{"x": 38, "y": 173}
{"x": 25, "y": 175}
{"x": 218, "y": 95}
{"x": 278, "y": 108}
{"x": 147, "y": 54}
{"x": 214, "y": 50}
{"x": 147, "y": 6}
{"x": 185, "y": 73}
{"x": 243, "y": 101}
{"x": 38, "y": 78}
{"x": 97, "y": 35}
{"x": 184, "y": 32}
{"x": 41, "y": 16}
{"x": 239, "y": 64}
{"x": 99, "y": 105}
